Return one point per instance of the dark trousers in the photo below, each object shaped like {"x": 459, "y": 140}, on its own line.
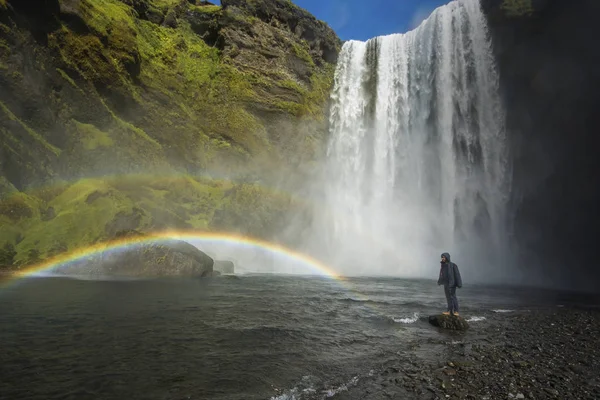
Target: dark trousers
{"x": 451, "y": 298}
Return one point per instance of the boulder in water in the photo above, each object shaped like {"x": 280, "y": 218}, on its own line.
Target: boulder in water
{"x": 151, "y": 259}
{"x": 451, "y": 322}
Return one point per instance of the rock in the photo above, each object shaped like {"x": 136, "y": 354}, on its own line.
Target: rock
{"x": 450, "y": 372}
{"x": 321, "y": 39}
{"x": 549, "y": 81}
{"x": 451, "y": 322}
{"x": 247, "y": 88}
{"x": 155, "y": 258}
{"x": 520, "y": 364}
{"x": 224, "y": 267}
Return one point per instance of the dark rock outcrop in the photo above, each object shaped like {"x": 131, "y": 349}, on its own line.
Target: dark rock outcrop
{"x": 450, "y": 322}
{"x": 550, "y": 81}
{"x": 82, "y": 82}
{"x": 322, "y": 41}
{"x": 123, "y": 87}
{"x": 151, "y": 259}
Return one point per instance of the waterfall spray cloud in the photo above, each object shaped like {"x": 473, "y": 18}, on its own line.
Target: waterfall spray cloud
{"x": 417, "y": 156}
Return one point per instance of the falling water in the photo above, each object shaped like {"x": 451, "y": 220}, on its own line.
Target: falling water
{"x": 417, "y": 160}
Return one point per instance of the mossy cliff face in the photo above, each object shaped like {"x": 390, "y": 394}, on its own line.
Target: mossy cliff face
{"x": 60, "y": 218}
{"x": 159, "y": 84}
{"x": 162, "y": 87}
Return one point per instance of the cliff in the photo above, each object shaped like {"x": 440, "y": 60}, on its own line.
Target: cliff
{"x": 131, "y": 114}
{"x": 550, "y": 82}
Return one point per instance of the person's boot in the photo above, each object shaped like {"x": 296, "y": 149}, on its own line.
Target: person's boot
{"x": 456, "y": 314}
{"x": 446, "y": 313}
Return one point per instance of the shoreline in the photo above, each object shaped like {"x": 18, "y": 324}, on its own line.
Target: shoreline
{"x": 539, "y": 354}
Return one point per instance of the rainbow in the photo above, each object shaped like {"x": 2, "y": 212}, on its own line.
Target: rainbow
{"x": 221, "y": 238}
{"x": 123, "y": 244}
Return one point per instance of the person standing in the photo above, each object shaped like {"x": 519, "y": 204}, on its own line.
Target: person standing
{"x": 450, "y": 278}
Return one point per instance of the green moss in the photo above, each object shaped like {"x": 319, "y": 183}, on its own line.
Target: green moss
{"x": 139, "y": 132}
{"x": 301, "y": 51}
{"x": 50, "y": 191}
{"x": 18, "y": 206}
{"x": 201, "y": 88}
{"x": 30, "y": 131}
{"x": 183, "y": 67}
{"x": 85, "y": 54}
{"x": 110, "y": 21}
{"x": 114, "y": 21}
{"x": 291, "y": 107}
{"x": 86, "y": 209}
{"x": 321, "y": 85}
{"x": 208, "y": 9}
{"x": 250, "y": 209}
{"x": 66, "y": 77}
{"x": 188, "y": 100}
{"x": 220, "y": 144}
{"x": 293, "y": 85}
{"x": 92, "y": 137}
{"x": 77, "y": 223}
{"x": 7, "y": 255}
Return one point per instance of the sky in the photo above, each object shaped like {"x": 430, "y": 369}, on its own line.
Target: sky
{"x": 364, "y": 19}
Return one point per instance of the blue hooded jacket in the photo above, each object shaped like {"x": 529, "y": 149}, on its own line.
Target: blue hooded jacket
{"x": 449, "y": 274}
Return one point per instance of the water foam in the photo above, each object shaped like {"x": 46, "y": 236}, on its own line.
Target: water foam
{"x": 476, "y": 319}
{"x": 307, "y": 388}
{"x": 408, "y": 320}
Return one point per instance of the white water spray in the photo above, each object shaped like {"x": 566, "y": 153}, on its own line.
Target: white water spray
{"x": 417, "y": 160}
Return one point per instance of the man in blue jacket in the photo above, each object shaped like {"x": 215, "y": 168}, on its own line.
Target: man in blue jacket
{"x": 450, "y": 278}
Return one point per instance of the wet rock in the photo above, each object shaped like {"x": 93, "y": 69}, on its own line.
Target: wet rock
{"x": 450, "y": 372}
{"x": 149, "y": 259}
{"x": 451, "y": 322}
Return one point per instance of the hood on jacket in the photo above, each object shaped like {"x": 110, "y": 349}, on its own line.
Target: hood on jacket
{"x": 447, "y": 255}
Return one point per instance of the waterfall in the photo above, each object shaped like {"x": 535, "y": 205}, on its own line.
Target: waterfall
{"x": 417, "y": 157}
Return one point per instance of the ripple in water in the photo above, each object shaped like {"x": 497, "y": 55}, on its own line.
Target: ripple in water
{"x": 221, "y": 339}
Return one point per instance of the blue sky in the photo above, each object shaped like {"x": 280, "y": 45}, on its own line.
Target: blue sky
{"x": 364, "y": 19}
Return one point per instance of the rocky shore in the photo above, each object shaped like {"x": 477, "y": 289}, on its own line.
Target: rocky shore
{"x": 550, "y": 354}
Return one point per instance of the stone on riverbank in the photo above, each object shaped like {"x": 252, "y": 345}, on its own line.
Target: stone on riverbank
{"x": 450, "y": 322}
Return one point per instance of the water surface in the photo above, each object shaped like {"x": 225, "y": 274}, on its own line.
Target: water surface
{"x": 248, "y": 337}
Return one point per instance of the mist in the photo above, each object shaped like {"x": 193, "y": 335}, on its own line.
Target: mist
{"x": 416, "y": 162}
{"x": 517, "y": 203}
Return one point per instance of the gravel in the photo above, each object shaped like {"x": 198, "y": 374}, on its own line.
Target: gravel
{"x": 525, "y": 355}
